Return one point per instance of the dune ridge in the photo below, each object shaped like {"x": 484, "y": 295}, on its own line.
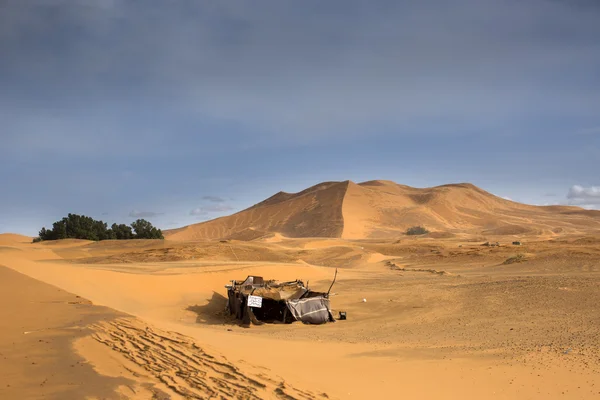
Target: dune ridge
{"x": 283, "y": 213}
{"x": 13, "y": 238}
{"x": 381, "y": 209}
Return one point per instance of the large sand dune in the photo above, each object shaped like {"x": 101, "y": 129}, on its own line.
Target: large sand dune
{"x": 283, "y": 213}
{"x": 383, "y": 209}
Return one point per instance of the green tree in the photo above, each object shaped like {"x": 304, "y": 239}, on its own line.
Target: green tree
{"x": 122, "y": 231}
{"x": 76, "y": 226}
{"x": 144, "y": 230}
{"x": 59, "y": 229}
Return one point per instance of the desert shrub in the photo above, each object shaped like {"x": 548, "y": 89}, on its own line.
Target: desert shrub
{"x": 416, "y": 230}
{"x": 37, "y": 239}
{"x": 81, "y": 227}
{"x": 515, "y": 259}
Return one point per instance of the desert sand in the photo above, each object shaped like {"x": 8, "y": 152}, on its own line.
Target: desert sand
{"x": 445, "y": 316}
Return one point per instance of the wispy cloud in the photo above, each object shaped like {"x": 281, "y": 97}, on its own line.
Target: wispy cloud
{"x": 198, "y": 211}
{"x": 143, "y": 214}
{"x": 214, "y": 199}
{"x": 204, "y": 210}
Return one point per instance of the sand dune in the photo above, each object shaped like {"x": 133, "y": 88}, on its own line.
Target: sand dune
{"x": 175, "y": 365}
{"x": 447, "y": 309}
{"x": 54, "y": 344}
{"x": 479, "y": 321}
{"x": 11, "y": 238}
{"x": 384, "y": 209}
{"x": 282, "y": 213}
{"x": 38, "y": 323}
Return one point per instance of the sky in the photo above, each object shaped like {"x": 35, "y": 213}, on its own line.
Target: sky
{"x": 181, "y": 111}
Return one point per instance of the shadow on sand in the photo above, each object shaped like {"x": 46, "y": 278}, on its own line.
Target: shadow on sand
{"x": 214, "y": 312}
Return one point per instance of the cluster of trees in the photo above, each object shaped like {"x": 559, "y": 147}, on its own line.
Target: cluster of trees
{"x": 81, "y": 227}
{"x": 416, "y": 230}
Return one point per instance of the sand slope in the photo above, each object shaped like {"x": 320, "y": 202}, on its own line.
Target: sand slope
{"x": 38, "y": 323}
{"x": 12, "y": 238}
{"x": 384, "y": 209}
{"x": 283, "y": 213}
{"x": 175, "y": 365}
{"x": 380, "y": 209}
{"x": 56, "y": 345}
{"x": 443, "y": 310}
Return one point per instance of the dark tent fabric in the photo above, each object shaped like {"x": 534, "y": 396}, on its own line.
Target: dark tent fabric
{"x": 312, "y": 310}
{"x": 236, "y": 304}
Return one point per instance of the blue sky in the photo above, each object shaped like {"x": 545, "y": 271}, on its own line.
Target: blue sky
{"x": 180, "y": 111}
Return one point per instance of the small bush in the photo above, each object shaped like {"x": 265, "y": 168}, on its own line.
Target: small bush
{"x": 515, "y": 259}
{"x": 416, "y": 230}
{"x": 37, "y": 239}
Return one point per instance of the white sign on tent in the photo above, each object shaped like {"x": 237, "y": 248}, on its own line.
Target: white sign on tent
{"x": 254, "y": 301}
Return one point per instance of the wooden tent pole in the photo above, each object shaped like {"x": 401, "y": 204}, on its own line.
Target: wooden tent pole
{"x": 334, "y": 277}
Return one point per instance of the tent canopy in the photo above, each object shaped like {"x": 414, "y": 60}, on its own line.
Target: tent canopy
{"x": 279, "y": 301}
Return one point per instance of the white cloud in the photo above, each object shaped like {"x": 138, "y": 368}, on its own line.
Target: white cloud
{"x": 586, "y": 197}
{"x": 588, "y": 193}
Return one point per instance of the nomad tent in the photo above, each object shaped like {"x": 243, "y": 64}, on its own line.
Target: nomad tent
{"x": 258, "y": 301}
